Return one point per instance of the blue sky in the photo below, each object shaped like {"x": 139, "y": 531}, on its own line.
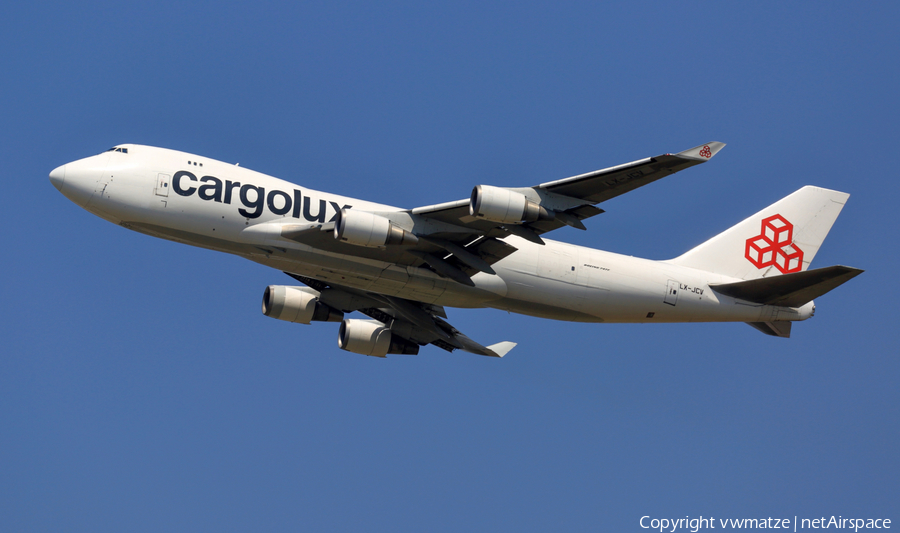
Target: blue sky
{"x": 141, "y": 389}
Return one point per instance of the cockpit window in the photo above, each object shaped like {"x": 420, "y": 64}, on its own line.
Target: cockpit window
{"x": 118, "y": 149}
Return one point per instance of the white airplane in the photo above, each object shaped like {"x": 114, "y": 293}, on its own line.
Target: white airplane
{"x": 402, "y": 267}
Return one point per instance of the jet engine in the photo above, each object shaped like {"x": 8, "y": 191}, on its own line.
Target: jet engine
{"x": 297, "y": 304}
{"x": 370, "y": 337}
{"x": 368, "y": 229}
{"x": 505, "y": 206}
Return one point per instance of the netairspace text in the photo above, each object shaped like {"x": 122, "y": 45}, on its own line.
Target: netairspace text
{"x": 696, "y": 524}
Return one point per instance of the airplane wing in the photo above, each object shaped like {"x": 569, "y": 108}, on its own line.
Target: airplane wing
{"x": 581, "y": 192}
{"x": 565, "y": 202}
{"x": 460, "y": 239}
{"x": 416, "y": 322}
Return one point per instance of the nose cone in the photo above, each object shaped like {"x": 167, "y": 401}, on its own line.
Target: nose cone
{"x": 78, "y": 179}
{"x": 58, "y": 177}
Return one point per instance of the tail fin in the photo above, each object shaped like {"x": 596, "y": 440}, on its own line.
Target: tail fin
{"x": 781, "y": 239}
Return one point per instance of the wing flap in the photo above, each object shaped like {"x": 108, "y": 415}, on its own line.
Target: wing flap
{"x": 489, "y": 250}
{"x": 579, "y": 213}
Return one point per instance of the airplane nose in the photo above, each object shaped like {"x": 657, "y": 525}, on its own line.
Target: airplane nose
{"x": 58, "y": 177}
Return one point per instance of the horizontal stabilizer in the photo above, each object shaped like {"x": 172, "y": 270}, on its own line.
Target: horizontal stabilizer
{"x": 778, "y": 328}
{"x": 789, "y": 290}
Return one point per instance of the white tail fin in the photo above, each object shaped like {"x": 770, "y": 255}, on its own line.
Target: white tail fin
{"x": 780, "y": 239}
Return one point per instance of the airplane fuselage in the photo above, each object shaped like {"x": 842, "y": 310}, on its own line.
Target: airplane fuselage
{"x": 220, "y": 206}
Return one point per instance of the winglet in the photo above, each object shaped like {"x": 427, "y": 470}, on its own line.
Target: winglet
{"x": 501, "y": 348}
{"x": 703, "y": 152}
{"x": 495, "y": 350}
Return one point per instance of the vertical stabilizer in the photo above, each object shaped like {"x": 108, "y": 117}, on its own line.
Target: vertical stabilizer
{"x": 781, "y": 239}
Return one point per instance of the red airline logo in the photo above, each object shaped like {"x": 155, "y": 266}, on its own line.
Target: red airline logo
{"x": 775, "y": 246}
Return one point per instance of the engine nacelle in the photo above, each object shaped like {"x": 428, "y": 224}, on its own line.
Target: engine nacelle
{"x": 368, "y": 229}
{"x": 505, "y": 206}
{"x": 297, "y": 304}
{"x": 370, "y": 337}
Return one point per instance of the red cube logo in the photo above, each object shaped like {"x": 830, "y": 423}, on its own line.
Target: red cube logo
{"x": 788, "y": 258}
{"x": 760, "y": 251}
{"x": 778, "y": 230}
{"x": 774, "y": 246}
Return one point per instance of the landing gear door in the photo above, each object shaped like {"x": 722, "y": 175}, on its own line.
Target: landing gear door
{"x": 671, "y": 292}
{"x": 162, "y": 185}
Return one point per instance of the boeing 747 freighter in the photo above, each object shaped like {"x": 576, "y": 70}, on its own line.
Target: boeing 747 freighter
{"x": 402, "y": 267}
